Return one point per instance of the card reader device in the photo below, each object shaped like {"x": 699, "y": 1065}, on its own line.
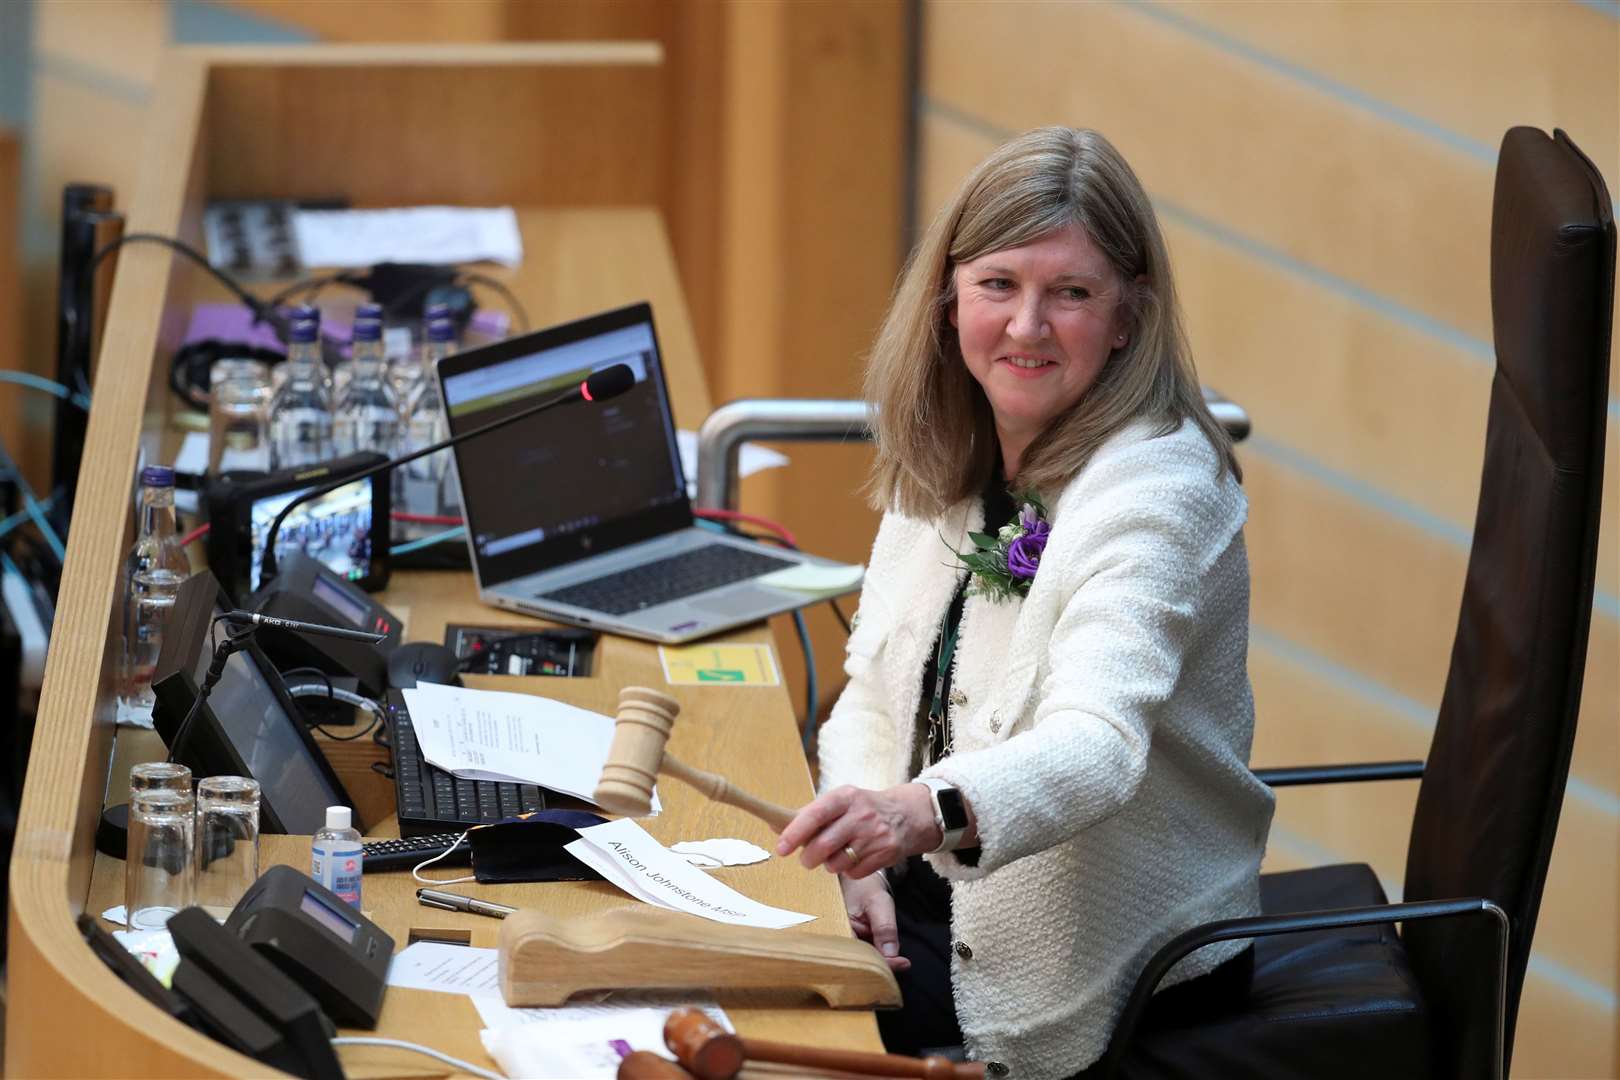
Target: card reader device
{"x": 320, "y": 942}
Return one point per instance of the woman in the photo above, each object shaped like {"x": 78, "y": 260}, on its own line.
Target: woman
{"x": 1047, "y": 725}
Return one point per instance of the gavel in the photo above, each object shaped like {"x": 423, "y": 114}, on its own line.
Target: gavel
{"x": 637, "y": 756}
{"x": 710, "y": 1052}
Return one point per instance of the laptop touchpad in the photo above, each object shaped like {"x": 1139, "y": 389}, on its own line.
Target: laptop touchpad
{"x": 741, "y": 600}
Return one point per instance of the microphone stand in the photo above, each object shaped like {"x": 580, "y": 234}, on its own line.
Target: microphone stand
{"x": 267, "y": 565}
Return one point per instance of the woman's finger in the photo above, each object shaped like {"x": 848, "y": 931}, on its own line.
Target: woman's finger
{"x": 808, "y": 822}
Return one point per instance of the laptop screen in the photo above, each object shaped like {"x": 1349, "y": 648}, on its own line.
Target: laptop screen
{"x": 576, "y": 480}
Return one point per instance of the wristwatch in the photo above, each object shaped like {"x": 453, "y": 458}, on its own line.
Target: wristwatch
{"x": 950, "y": 812}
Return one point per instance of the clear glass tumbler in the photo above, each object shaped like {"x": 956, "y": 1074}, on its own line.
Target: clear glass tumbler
{"x": 159, "y": 876}
{"x": 238, "y": 415}
{"x": 159, "y": 774}
{"x": 227, "y": 841}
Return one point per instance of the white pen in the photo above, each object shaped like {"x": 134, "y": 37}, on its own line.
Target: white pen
{"x": 456, "y": 902}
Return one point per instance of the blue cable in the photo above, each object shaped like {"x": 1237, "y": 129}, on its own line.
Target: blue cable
{"x": 427, "y": 541}
{"x": 36, "y": 382}
{"x": 21, "y": 516}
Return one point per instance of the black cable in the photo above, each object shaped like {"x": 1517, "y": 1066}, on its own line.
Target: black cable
{"x": 262, "y": 311}
{"x": 216, "y": 668}
{"x": 843, "y": 620}
{"x": 506, "y": 294}
{"x": 331, "y": 695}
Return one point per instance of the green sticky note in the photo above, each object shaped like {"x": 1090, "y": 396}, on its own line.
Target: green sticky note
{"x": 719, "y": 675}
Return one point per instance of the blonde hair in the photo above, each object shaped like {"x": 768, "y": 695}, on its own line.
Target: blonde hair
{"x": 936, "y": 440}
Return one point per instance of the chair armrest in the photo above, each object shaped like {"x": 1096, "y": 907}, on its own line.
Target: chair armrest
{"x": 1289, "y": 776}
{"x": 1300, "y": 922}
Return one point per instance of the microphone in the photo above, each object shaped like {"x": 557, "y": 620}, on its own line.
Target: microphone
{"x": 300, "y": 627}
{"x": 608, "y": 383}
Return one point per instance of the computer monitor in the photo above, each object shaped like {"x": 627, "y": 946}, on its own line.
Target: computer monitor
{"x": 248, "y": 726}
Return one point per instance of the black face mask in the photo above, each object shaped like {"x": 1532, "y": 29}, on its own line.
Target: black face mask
{"x": 530, "y": 848}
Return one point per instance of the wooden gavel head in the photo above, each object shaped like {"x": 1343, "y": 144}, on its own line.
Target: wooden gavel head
{"x": 708, "y": 1051}
{"x": 639, "y": 734}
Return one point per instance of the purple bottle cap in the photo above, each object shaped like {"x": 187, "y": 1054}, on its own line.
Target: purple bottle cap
{"x": 305, "y": 331}
{"x": 436, "y": 311}
{"x": 368, "y": 310}
{"x": 441, "y": 330}
{"x": 368, "y": 330}
{"x": 157, "y": 476}
{"x": 306, "y": 311}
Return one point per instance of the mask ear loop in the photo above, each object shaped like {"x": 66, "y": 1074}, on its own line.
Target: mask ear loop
{"x": 416, "y": 871}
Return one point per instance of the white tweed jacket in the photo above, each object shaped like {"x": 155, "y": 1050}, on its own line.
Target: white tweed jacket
{"x": 1101, "y": 730}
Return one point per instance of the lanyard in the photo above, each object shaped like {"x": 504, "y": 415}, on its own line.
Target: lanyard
{"x": 939, "y": 721}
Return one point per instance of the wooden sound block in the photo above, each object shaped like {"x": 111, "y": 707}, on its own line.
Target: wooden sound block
{"x": 544, "y": 960}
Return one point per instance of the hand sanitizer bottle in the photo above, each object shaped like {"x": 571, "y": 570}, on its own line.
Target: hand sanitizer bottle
{"x": 336, "y": 856}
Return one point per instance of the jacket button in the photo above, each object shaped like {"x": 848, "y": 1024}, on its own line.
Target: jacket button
{"x": 962, "y": 949}
{"x": 958, "y": 698}
{"x": 995, "y": 722}
{"x": 997, "y": 1068}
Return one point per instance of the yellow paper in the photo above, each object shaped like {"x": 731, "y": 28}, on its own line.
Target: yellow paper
{"x": 718, "y": 665}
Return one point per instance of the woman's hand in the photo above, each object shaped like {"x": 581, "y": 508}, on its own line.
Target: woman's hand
{"x": 855, "y": 831}
{"x": 871, "y": 916}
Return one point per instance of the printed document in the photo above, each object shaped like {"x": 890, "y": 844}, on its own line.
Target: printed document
{"x": 448, "y": 969}
{"x": 414, "y": 234}
{"x": 521, "y": 738}
{"x": 626, "y": 855}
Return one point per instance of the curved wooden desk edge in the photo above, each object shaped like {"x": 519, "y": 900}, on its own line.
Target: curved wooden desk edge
{"x": 65, "y": 1007}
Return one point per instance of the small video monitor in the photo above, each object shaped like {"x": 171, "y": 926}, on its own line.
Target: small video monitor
{"x": 248, "y": 725}
{"x": 346, "y": 529}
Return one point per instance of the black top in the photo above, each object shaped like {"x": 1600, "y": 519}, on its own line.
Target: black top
{"x": 933, "y": 738}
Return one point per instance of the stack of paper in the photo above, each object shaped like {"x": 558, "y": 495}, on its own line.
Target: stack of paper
{"x": 517, "y": 738}
{"x": 624, "y": 854}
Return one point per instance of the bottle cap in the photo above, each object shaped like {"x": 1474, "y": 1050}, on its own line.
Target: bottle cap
{"x": 305, "y": 331}
{"x": 368, "y": 310}
{"x": 441, "y": 330}
{"x": 367, "y": 330}
{"x": 339, "y": 817}
{"x": 301, "y": 312}
{"x": 435, "y": 311}
{"x": 157, "y": 476}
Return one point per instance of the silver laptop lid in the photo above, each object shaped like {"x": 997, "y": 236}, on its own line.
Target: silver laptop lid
{"x": 576, "y": 480}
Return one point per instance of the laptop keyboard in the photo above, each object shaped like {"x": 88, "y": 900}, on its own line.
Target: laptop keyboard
{"x": 430, "y": 799}
{"x": 674, "y": 578}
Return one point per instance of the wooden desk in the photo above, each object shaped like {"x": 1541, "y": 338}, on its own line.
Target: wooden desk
{"x": 217, "y": 113}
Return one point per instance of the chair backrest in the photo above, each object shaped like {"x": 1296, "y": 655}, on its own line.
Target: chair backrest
{"x": 1494, "y": 781}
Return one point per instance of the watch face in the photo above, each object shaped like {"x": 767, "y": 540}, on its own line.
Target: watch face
{"x": 951, "y": 809}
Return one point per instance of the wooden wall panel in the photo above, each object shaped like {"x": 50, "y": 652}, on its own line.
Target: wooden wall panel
{"x": 1300, "y": 173}
{"x": 1470, "y": 73}
{"x": 458, "y": 110}
{"x": 1328, "y": 214}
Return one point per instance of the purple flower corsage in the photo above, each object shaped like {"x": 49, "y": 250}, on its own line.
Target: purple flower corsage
{"x": 1004, "y": 565}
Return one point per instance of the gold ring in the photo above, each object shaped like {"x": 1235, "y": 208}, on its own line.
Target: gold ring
{"x": 853, "y": 857}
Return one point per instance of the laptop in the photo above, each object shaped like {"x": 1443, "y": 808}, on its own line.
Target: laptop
{"x": 581, "y": 514}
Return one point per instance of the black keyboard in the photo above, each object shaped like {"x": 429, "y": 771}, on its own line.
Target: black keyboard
{"x": 410, "y": 851}
{"x": 674, "y": 578}
{"x": 431, "y": 800}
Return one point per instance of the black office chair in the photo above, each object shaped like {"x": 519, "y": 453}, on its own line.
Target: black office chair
{"x": 1336, "y": 991}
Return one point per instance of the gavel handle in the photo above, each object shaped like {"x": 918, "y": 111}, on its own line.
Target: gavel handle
{"x": 857, "y": 1062}
{"x": 720, "y": 789}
